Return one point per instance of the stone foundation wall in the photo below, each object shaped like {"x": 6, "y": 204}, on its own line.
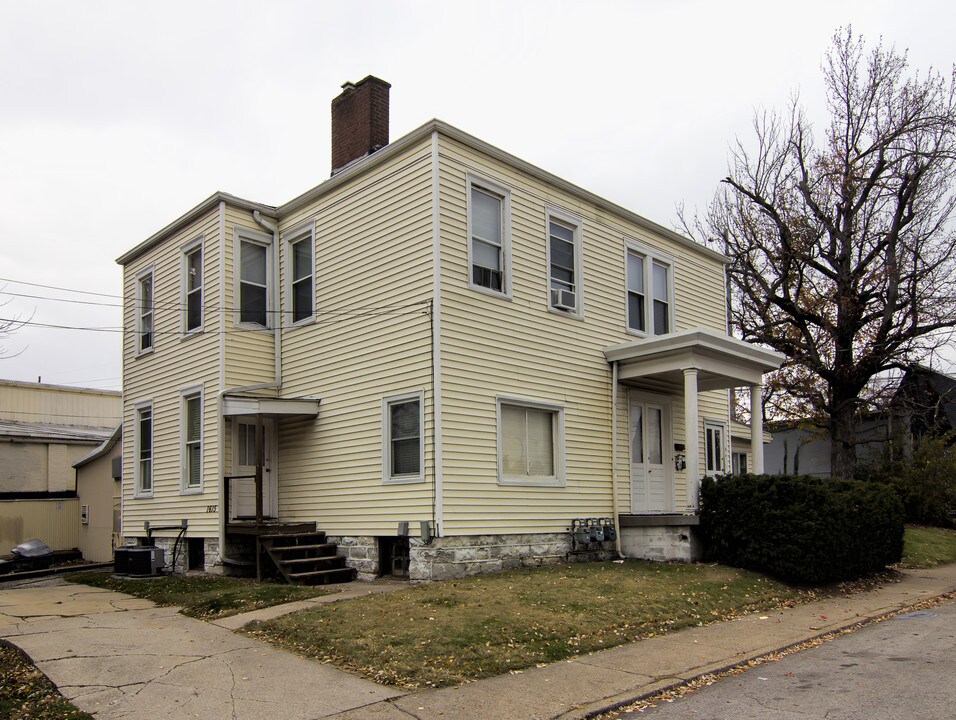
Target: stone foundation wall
{"x": 662, "y": 543}
{"x": 360, "y": 552}
{"x": 461, "y": 555}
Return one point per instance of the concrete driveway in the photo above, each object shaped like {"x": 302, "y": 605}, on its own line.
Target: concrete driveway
{"x": 122, "y": 657}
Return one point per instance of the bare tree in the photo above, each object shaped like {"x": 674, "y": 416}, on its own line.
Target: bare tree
{"x": 841, "y": 247}
{"x": 8, "y": 326}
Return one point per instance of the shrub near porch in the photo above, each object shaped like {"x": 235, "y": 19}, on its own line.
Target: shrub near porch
{"x": 456, "y": 631}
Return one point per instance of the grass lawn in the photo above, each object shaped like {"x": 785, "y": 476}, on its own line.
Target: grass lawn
{"x": 925, "y": 547}
{"x": 203, "y": 596}
{"x": 450, "y": 632}
{"x": 25, "y": 692}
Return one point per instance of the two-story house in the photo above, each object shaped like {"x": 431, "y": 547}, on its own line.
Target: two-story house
{"x": 441, "y": 357}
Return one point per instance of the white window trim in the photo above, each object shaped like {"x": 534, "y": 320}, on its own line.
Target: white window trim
{"x": 185, "y": 252}
{"x": 650, "y": 256}
{"x": 138, "y": 305}
{"x": 495, "y": 189}
{"x": 137, "y": 478}
{"x": 710, "y": 423}
{"x": 84, "y": 514}
{"x": 559, "y": 479}
{"x": 243, "y": 234}
{"x": 743, "y": 455}
{"x": 387, "y": 402}
{"x": 186, "y": 394}
{"x": 577, "y": 225}
{"x": 292, "y": 237}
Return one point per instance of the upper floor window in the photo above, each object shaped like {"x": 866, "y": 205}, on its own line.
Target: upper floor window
{"x": 649, "y": 292}
{"x": 530, "y": 443}
{"x": 661, "y": 284}
{"x": 403, "y": 438}
{"x": 144, "y": 312}
{"x": 192, "y": 440}
{"x": 143, "y": 471}
{"x": 302, "y": 269}
{"x": 714, "y": 434}
{"x": 254, "y": 273}
{"x": 489, "y": 242}
{"x": 564, "y": 263}
{"x": 192, "y": 287}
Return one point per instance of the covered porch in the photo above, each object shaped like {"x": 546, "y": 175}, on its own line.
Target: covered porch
{"x": 297, "y": 551}
{"x": 685, "y": 364}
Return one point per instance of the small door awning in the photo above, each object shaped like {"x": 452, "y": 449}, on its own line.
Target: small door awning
{"x": 722, "y": 361}
{"x": 233, "y": 405}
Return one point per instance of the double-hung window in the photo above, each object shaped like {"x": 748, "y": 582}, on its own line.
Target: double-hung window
{"x": 714, "y": 434}
{"x": 489, "y": 259}
{"x": 254, "y": 284}
{"x": 403, "y": 446}
{"x": 144, "y": 450}
{"x": 192, "y": 440}
{"x": 192, "y": 287}
{"x": 564, "y": 263}
{"x": 649, "y": 281}
{"x": 301, "y": 274}
{"x": 530, "y": 443}
{"x": 144, "y": 312}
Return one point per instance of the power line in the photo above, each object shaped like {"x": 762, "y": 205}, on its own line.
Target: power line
{"x": 55, "y": 287}
{"x": 411, "y": 309}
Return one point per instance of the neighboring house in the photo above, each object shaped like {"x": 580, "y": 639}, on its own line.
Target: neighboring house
{"x": 100, "y": 500}
{"x": 442, "y": 357}
{"x": 923, "y": 403}
{"x": 44, "y": 429}
{"x": 741, "y": 448}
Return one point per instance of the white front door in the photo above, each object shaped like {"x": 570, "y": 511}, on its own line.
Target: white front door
{"x": 652, "y": 479}
{"x": 243, "y": 491}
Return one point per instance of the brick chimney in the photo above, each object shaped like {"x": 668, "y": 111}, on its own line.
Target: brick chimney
{"x": 359, "y": 121}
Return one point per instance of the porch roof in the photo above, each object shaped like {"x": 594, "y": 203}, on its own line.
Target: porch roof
{"x": 722, "y": 361}
{"x": 233, "y": 405}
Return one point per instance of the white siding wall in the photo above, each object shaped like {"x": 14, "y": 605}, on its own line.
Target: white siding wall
{"x": 371, "y": 339}
{"x": 176, "y": 362}
{"x": 515, "y": 347}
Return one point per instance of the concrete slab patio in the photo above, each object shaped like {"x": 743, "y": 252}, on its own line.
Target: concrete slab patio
{"x": 117, "y": 657}
{"x": 120, "y": 657}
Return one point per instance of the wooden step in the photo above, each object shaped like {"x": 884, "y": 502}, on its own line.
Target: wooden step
{"x": 323, "y": 559}
{"x": 292, "y": 536}
{"x": 324, "y": 576}
{"x": 286, "y": 548}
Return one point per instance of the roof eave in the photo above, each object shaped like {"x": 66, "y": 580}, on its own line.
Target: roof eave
{"x": 191, "y": 216}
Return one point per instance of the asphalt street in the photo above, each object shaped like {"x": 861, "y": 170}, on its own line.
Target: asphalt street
{"x": 899, "y": 668}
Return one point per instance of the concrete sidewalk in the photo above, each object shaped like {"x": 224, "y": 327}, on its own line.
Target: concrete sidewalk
{"x": 121, "y": 657}
{"x": 605, "y": 680}
{"x": 117, "y": 656}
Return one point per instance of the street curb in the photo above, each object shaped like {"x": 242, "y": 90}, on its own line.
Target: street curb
{"x": 608, "y": 705}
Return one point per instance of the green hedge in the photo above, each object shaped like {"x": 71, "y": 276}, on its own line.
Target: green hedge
{"x": 803, "y": 529}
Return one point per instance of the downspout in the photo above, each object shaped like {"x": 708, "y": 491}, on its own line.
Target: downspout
{"x": 439, "y": 511}
{"x": 614, "y": 505}
{"x": 277, "y": 321}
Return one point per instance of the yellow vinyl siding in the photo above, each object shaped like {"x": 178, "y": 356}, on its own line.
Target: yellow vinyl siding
{"x": 371, "y": 338}
{"x": 517, "y": 348}
{"x": 176, "y": 362}
{"x": 249, "y": 352}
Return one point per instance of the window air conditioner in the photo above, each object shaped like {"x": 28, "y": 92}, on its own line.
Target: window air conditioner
{"x": 563, "y": 300}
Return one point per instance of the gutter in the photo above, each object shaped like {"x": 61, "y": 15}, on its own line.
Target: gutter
{"x": 614, "y": 501}
{"x": 277, "y": 320}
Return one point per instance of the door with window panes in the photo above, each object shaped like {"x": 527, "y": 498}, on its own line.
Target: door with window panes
{"x": 243, "y": 492}
{"x": 652, "y": 479}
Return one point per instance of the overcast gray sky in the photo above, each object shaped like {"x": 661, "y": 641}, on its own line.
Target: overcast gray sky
{"x": 117, "y": 117}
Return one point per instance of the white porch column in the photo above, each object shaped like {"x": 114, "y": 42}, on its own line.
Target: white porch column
{"x": 756, "y": 428}
{"x": 691, "y": 431}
